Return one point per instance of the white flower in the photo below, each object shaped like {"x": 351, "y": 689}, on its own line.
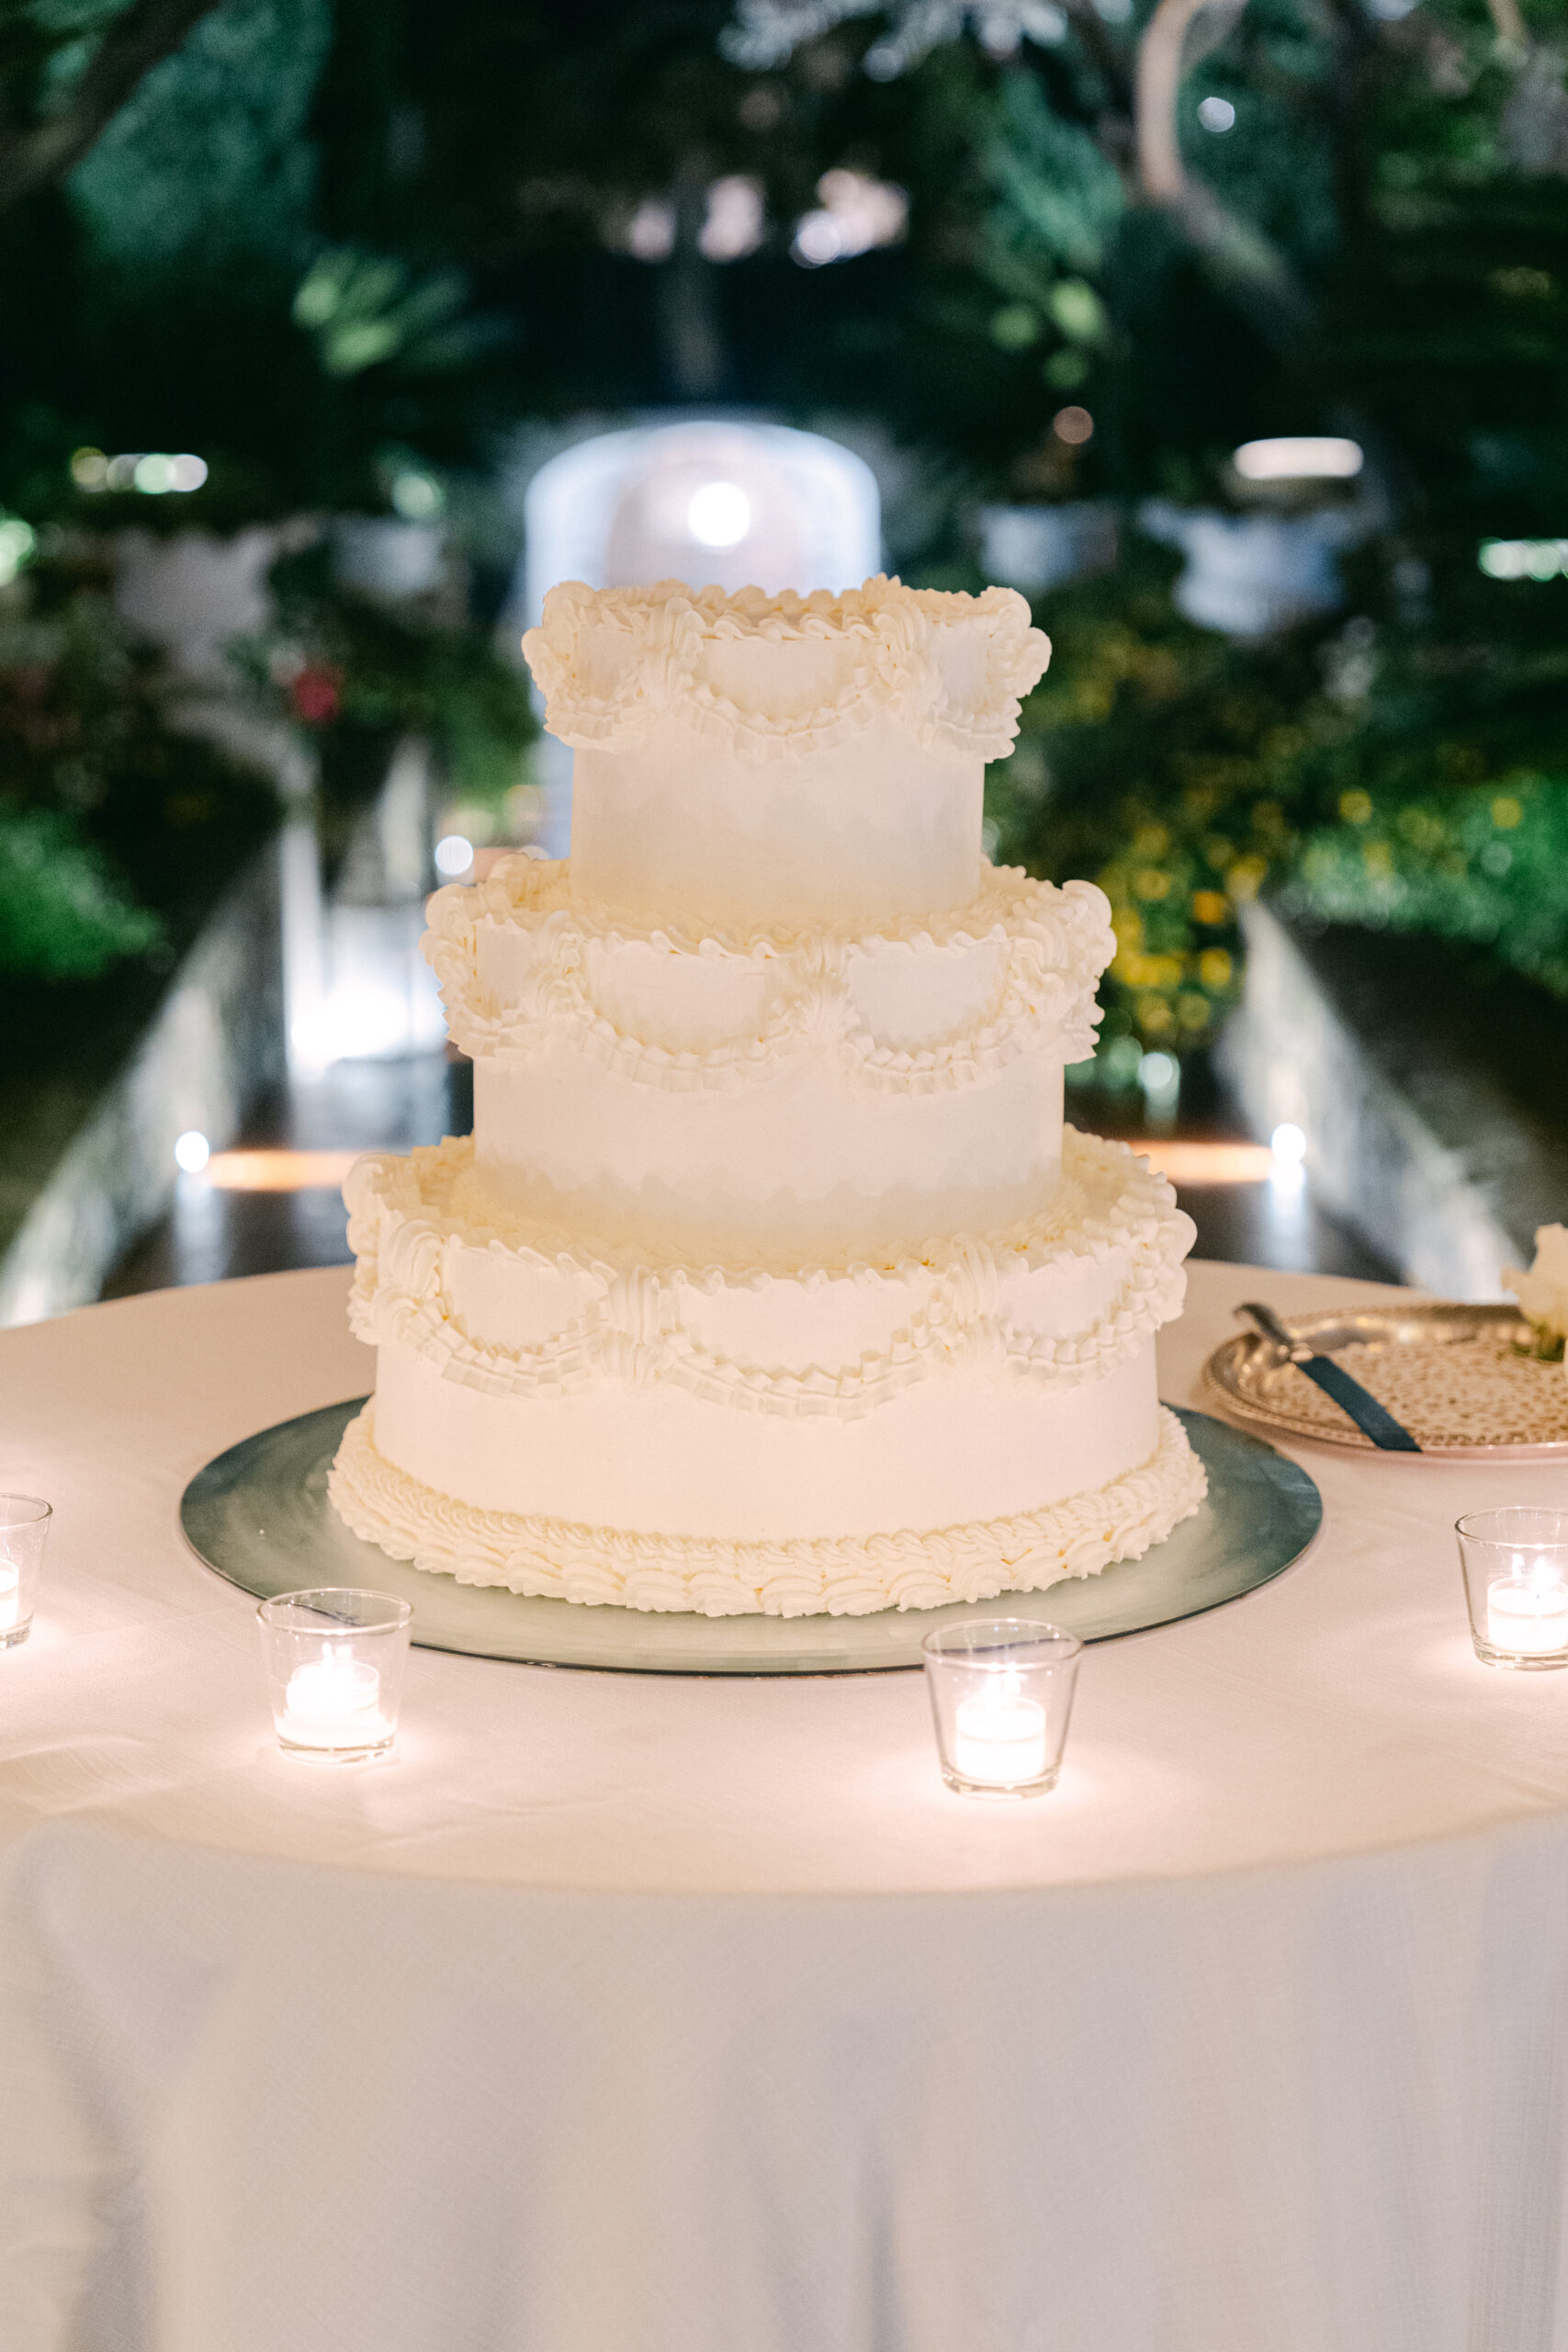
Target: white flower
{"x": 1543, "y": 1291}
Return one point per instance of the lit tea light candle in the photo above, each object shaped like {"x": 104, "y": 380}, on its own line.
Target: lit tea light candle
{"x": 999, "y": 1736}
{"x": 10, "y": 1597}
{"x": 1528, "y": 1614}
{"x": 335, "y": 1701}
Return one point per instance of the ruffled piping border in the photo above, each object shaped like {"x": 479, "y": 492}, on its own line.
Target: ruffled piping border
{"x": 634, "y": 1332}
{"x": 885, "y": 629}
{"x": 836, "y": 1576}
{"x": 1054, "y": 945}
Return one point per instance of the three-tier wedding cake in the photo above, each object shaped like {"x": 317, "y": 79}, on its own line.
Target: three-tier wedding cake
{"x": 769, "y": 1279}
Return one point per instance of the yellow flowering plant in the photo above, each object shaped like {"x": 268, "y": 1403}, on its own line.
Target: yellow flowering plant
{"x": 1360, "y": 775}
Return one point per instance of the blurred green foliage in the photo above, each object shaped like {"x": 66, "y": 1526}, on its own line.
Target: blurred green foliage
{"x": 62, "y": 913}
{"x": 331, "y": 239}
{"x": 1487, "y": 864}
{"x": 1381, "y": 771}
{"x": 118, "y": 825}
{"x": 1161, "y": 762}
{"x": 227, "y": 115}
{"x": 356, "y": 673}
{"x": 1403, "y": 765}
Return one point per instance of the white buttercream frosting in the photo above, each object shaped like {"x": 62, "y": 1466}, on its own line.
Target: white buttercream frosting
{"x": 785, "y": 676}
{"x": 836, "y": 1575}
{"x": 771, "y": 1085}
{"x": 751, "y": 758}
{"x": 515, "y": 1308}
{"x": 914, "y": 1006}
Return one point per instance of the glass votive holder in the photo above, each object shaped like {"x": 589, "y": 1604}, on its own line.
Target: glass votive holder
{"x": 335, "y": 1663}
{"x": 1001, "y": 1693}
{"x": 24, "y": 1532}
{"x": 1516, "y": 1582}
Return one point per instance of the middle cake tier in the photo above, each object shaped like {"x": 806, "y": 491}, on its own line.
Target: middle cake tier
{"x": 812, "y": 1090}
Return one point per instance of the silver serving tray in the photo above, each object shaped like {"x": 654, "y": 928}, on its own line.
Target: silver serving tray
{"x": 259, "y": 1515}
{"x": 1450, "y": 1373}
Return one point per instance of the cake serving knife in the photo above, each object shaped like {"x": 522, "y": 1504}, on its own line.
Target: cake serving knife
{"x": 1335, "y": 1381}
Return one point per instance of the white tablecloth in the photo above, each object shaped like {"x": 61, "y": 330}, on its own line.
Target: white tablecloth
{"x": 631, "y": 2014}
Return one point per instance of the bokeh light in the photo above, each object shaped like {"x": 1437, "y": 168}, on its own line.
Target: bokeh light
{"x": 1301, "y": 457}
{"x": 417, "y": 497}
{"x": 1073, "y": 425}
{"x": 18, "y": 543}
{"x": 1523, "y": 559}
{"x": 153, "y": 472}
{"x": 720, "y": 515}
{"x": 858, "y": 214}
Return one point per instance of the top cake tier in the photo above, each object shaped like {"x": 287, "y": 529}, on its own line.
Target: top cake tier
{"x": 752, "y": 759}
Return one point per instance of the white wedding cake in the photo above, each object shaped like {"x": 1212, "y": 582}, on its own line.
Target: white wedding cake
{"x": 769, "y": 1279}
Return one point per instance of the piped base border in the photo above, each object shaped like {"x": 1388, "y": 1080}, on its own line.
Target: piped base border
{"x": 833, "y": 1576}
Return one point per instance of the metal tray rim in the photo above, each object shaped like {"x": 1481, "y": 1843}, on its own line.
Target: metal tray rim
{"x": 1338, "y": 1325}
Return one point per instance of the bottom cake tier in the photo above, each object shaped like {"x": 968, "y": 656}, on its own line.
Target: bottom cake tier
{"x": 810, "y": 1575}
{"x": 560, "y": 1416}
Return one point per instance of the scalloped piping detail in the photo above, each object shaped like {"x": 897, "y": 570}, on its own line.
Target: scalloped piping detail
{"x": 633, "y": 1330}
{"x": 891, "y": 667}
{"x": 1076, "y": 915}
{"x": 836, "y": 1575}
{"x": 1054, "y": 944}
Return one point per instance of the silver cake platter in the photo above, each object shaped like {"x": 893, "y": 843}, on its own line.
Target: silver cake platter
{"x": 1459, "y": 1378}
{"x": 259, "y": 1515}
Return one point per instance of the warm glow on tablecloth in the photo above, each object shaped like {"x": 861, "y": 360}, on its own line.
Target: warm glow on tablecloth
{"x": 618, "y": 2009}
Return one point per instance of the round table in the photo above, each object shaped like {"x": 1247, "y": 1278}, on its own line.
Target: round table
{"x": 634, "y": 2014}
